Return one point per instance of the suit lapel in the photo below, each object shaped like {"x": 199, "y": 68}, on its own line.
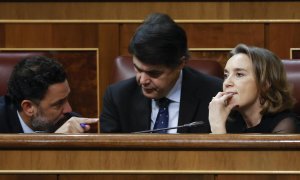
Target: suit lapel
{"x": 13, "y": 119}
{"x": 16, "y": 125}
{"x": 189, "y": 101}
{"x": 142, "y": 111}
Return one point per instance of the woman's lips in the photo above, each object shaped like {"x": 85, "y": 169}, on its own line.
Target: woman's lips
{"x": 229, "y": 92}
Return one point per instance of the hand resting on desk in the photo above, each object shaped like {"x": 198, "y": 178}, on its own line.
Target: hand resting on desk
{"x": 77, "y": 125}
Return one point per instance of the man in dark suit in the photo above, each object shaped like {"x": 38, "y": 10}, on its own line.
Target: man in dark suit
{"x": 159, "y": 49}
{"x": 37, "y": 100}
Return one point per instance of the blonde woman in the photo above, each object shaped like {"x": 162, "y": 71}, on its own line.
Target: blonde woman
{"x": 255, "y": 97}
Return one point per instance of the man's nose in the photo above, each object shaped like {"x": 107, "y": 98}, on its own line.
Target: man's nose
{"x": 144, "y": 78}
{"x": 67, "y": 108}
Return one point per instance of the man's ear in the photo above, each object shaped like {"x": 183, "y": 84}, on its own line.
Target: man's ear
{"x": 183, "y": 62}
{"x": 28, "y": 107}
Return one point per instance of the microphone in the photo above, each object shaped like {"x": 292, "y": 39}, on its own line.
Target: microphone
{"x": 192, "y": 124}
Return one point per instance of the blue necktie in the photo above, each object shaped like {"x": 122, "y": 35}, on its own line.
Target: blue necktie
{"x": 162, "y": 119}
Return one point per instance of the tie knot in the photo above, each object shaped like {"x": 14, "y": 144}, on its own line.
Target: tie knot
{"x": 163, "y": 102}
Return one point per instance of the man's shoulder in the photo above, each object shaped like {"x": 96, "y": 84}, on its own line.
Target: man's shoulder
{"x": 123, "y": 88}
{"x": 6, "y": 107}
{"x": 199, "y": 78}
{"x": 124, "y": 84}
{"x": 3, "y": 102}
{"x": 9, "y": 120}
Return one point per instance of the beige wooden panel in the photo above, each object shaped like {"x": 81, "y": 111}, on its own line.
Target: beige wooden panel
{"x": 69, "y": 35}
{"x": 30, "y": 35}
{"x": 224, "y": 35}
{"x": 138, "y": 10}
{"x": 126, "y": 32}
{"x": 28, "y": 177}
{"x": 109, "y": 49}
{"x": 137, "y": 177}
{"x": 214, "y": 54}
{"x": 265, "y": 10}
{"x": 150, "y": 154}
{"x": 282, "y": 37}
{"x": 2, "y": 35}
{"x": 162, "y": 161}
{"x": 113, "y": 10}
{"x": 257, "y": 177}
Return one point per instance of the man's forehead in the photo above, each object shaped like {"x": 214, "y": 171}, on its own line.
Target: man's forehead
{"x": 57, "y": 92}
{"x": 148, "y": 67}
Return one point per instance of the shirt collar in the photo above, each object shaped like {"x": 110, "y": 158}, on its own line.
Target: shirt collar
{"x": 25, "y": 128}
{"x": 174, "y": 94}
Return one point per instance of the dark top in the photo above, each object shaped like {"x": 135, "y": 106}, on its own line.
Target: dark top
{"x": 9, "y": 121}
{"x": 126, "y": 109}
{"x": 236, "y": 124}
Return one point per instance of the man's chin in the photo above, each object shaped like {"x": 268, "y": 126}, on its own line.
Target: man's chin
{"x": 42, "y": 126}
{"x": 150, "y": 95}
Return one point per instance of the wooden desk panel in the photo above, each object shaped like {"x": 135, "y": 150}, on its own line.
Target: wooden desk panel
{"x": 138, "y": 177}
{"x": 28, "y": 177}
{"x": 150, "y": 154}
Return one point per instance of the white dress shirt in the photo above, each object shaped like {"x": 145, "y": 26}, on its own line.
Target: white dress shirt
{"x": 25, "y": 128}
{"x": 174, "y": 96}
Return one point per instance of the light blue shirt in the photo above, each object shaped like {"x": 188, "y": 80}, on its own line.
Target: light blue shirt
{"x": 174, "y": 96}
{"x": 25, "y": 128}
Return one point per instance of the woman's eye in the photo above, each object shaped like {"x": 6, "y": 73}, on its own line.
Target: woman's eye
{"x": 225, "y": 76}
{"x": 239, "y": 74}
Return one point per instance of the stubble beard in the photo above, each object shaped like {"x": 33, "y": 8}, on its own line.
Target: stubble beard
{"x": 40, "y": 123}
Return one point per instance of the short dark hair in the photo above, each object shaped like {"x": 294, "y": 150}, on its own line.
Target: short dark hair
{"x": 275, "y": 93}
{"x": 31, "y": 78}
{"x": 159, "y": 41}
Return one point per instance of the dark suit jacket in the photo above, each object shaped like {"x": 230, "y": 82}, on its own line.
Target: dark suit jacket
{"x": 9, "y": 121}
{"x": 126, "y": 109}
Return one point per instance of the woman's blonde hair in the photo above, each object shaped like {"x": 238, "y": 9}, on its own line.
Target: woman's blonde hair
{"x": 275, "y": 94}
